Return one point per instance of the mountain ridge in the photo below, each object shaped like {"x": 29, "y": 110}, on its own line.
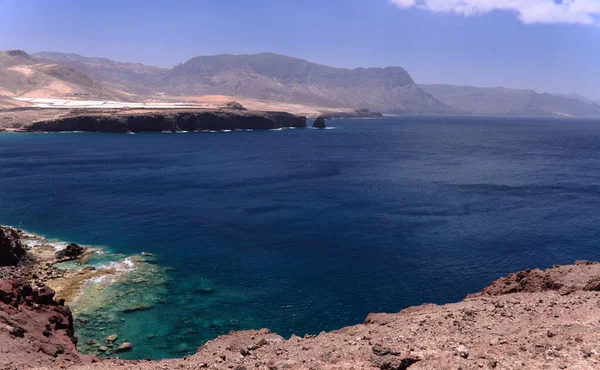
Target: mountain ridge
{"x": 271, "y": 77}
{"x": 22, "y": 74}
{"x": 507, "y": 101}
{"x": 266, "y": 76}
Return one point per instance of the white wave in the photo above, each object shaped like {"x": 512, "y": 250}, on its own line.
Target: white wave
{"x": 125, "y": 265}
{"x": 275, "y": 129}
{"x": 128, "y": 262}
{"x": 97, "y": 279}
{"x": 226, "y": 130}
{"x": 31, "y": 243}
{"x": 58, "y": 246}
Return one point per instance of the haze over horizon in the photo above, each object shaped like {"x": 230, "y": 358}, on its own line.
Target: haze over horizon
{"x": 543, "y": 45}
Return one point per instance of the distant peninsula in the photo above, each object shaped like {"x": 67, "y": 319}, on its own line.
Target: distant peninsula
{"x": 127, "y": 121}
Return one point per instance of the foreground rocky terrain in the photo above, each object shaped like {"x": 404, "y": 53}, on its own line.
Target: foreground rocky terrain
{"x": 534, "y": 319}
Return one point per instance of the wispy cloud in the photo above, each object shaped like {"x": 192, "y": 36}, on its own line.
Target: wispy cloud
{"x": 528, "y": 11}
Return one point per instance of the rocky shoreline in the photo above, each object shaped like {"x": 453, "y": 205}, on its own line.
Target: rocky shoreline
{"x": 76, "y": 278}
{"x": 531, "y": 319}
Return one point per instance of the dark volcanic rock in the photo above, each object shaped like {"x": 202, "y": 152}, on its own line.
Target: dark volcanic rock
{"x": 319, "y": 122}
{"x": 11, "y": 248}
{"x": 187, "y": 120}
{"x": 71, "y": 252}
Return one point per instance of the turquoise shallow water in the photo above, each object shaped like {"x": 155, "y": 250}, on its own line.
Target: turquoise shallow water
{"x": 306, "y": 230}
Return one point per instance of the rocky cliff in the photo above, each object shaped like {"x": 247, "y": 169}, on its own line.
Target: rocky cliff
{"x": 35, "y": 330}
{"x": 170, "y": 121}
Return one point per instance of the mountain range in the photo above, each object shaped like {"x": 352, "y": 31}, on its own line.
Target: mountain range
{"x": 268, "y": 77}
{"x": 503, "y": 101}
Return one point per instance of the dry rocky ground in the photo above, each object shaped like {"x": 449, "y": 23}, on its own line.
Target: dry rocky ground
{"x": 533, "y": 319}
{"x": 530, "y": 320}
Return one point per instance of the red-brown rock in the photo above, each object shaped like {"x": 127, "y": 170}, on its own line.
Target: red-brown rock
{"x": 35, "y": 331}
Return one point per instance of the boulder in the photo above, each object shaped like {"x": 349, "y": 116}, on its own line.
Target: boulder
{"x": 11, "y": 248}
{"x": 126, "y": 346}
{"x": 71, "y": 252}
{"x": 9, "y": 291}
{"x": 45, "y": 295}
{"x": 234, "y": 105}
{"x": 319, "y": 122}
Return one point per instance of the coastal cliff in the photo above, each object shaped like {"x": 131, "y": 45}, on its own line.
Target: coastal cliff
{"x": 531, "y": 319}
{"x": 169, "y": 121}
{"x": 35, "y": 330}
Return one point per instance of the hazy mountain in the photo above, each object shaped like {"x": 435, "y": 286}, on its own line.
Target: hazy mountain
{"x": 271, "y": 77}
{"x": 130, "y": 77}
{"x": 266, "y": 76}
{"x": 503, "y": 101}
{"x": 22, "y": 74}
{"x": 579, "y": 97}
{"x": 281, "y": 78}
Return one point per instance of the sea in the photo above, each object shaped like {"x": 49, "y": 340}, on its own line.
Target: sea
{"x": 305, "y": 230}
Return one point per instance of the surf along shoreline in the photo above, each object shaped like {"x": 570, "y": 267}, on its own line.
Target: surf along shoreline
{"x": 95, "y": 283}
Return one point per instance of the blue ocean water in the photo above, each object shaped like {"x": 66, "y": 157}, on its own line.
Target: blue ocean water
{"x": 308, "y": 230}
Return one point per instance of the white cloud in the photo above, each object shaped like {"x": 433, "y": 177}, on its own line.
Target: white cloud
{"x": 528, "y": 11}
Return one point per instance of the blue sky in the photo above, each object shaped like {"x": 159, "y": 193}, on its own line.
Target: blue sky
{"x": 541, "y": 44}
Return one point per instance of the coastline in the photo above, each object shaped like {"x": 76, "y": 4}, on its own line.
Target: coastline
{"x": 532, "y": 319}
{"x": 90, "y": 284}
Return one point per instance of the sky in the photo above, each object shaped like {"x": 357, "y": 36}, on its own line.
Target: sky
{"x": 546, "y": 45}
